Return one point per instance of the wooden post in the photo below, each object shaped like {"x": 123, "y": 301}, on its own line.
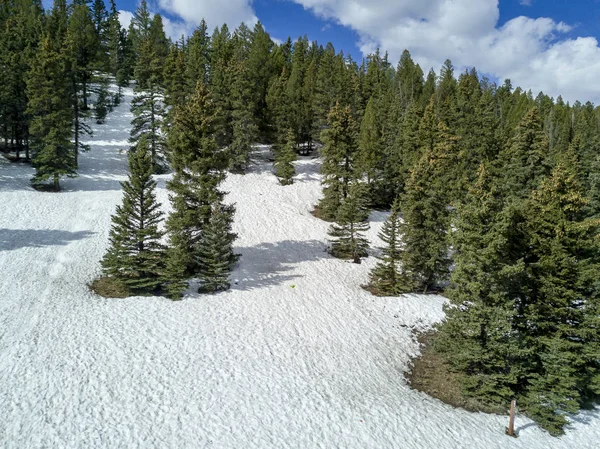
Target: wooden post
{"x": 510, "y": 431}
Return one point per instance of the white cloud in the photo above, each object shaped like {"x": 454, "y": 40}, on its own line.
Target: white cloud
{"x": 175, "y": 28}
{"x": 533, "y": 53}
{"x": 125, "y": 18}
{"x": 215, "y": 12}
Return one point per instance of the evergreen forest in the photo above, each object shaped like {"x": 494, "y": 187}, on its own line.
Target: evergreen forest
{"x": 494, "y": 191}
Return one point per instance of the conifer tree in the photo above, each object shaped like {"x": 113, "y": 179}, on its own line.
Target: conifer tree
{"x": 198, "y": 57}
{"x": 338, "y": 160}
{"x": 559, "y": 322}
{"x": 408, "y": 80}
{"x": 424, "y": 230}
{"x": 147, "y": 106}
{"x": 477, "y": 335}
{"x": 139, "y": 28}
{"x": 526, "y": 158}
{"x": 102, "y": 101}
{"x": 220, "y": 83}
{"x": 277, "y": 109}
{"x": 348, "y": 240}
{"x": 370, "y": 158}
{"x": 82, "y": 44}
{"x": 199, "y": 167}
{"x": 524, "y": 317}
{"x": 261, "y": 71}
{"x": 215, "y": 250}
{"x": 245, "y": 129}
{"x": 284, "y": 156}
{"x": 174, "y": 78}
{"x": 386, "y": 278}
{"x": 136, "y": 255}
{"x": 48, "y": 91}
{"x": 20, "y": 32}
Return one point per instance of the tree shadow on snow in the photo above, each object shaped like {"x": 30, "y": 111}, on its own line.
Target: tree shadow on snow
{"x": 266, "y": 264}
{"x": 99, "y": 171}
{"x": 586, "y": 416}
{"x": 11, "y": 239}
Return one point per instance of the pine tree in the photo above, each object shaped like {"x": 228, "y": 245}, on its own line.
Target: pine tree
{"x": 220, "y": 83}
{"x": 102, "y": 101}
{"x": 277, "y": 109}
{"x": 559, "y": 320}
{"x": 245, "y": 129}
{"x": 19, "y": 38}
{"x": 215, "y": 250}
{"x": 524, "y": 321}
{"x": 51, "y": 127}
{"x": 370, "y": 158}
{"x": 147, "y": 106}
{"x": 139, "y": 28}
{"x": 199, "y": 167}
{"x": 261, "y": 70}
{"x": 526, "y": 158}
{"x": 284, "y": 169}
{"x": 409, "y": 80}
{"x": 113, "y": 40}
{"x": 135, "y": 256}
{"x": 424, "y": 231}
{"x": 338, "y": 160}
{"x": 477, "y": 336}
{"x": 82, "y": 44}
{"x": 348, "y": 241}
{"x": 198, "y": 57}
{"x": 386, "y": 278}
{"x": 174, "y": 78}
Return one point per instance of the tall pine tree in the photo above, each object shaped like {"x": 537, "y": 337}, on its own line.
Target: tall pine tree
{"x": 136, "y": 256}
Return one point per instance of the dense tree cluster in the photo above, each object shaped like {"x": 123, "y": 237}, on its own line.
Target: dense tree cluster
{"x": 495, "y": 193}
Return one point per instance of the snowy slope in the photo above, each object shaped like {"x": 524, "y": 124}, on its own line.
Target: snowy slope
{"x": 296, "y": 355}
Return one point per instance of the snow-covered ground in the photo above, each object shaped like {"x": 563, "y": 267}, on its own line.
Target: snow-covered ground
{"x": 295, "y": 355}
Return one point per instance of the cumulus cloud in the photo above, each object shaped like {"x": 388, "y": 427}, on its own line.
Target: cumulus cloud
{"x": 125, "y": 18}
{"x": 215, "y": 12}
{"x": 533, "y": 53}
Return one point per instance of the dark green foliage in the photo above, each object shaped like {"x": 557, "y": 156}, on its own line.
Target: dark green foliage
{"x": 48, "y": 91}
{"x": 386, "y": 278}
{"x": 370, "y": 160}
{"x": 199, "y": 167}
{"x": 338, "y": 160}
{"x": 245, "y": 129}
{"x": 215, "y": 250}
{"x": 284, "y": 156}
{"x": 197, "y": 58}
{"x": 476, "y": 336}
{"x": 82, "y": 45}
{"x": 425, "y": 259}
{"x": 20, "y": 31}
{"x": 102, "y": 101}
{"x": 525, "y": 297}
{"x": 220, "y": 84}
{"x": 526, "y": 158}
{"x": 348, "y": 241}
{"x": 135, "y": 256}
{"x": 147, "y": 106}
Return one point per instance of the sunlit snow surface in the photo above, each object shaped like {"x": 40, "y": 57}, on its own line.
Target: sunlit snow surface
{"x": 296, "y": 355}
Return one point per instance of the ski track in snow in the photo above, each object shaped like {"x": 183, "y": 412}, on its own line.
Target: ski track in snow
{"x": 295, "y": 355}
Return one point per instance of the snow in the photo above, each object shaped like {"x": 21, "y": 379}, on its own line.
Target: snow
{"x": 295, "y": 355}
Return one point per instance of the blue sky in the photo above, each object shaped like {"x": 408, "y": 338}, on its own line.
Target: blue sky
{"x": 548, "y": 45}
{"x": 285, "y": 18}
